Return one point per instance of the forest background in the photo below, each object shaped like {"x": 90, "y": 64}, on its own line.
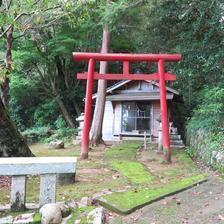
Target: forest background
{"x": 43, "y": 95}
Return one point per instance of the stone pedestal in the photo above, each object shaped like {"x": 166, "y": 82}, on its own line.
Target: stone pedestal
{"x": 80, "y": 119}
{"x": 18, "y": 193}
{"x": 47, "y": 189}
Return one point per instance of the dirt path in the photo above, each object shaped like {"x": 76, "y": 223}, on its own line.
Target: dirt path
{"x": 203, "y": 204}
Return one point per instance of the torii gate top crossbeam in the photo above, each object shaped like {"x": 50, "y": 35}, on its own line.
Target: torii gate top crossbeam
{"x": 79, "y": 56}
{"x": 126, "y": 59}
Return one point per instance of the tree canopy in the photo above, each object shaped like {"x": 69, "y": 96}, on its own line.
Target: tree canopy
{"x": 43, "y": 89}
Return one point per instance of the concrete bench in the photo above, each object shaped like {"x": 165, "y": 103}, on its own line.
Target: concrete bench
{"x": 46, "y": 167}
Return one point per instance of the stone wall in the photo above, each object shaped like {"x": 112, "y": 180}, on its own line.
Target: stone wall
{"x": 206, "y": 146}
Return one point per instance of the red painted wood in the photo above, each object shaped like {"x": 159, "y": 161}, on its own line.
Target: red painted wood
{"x": 79, "y": 56}
{"x": 126, "y": 67}
{"x": 164, "y": 114}
{"x": 154, "y": 76}
{"x": 88, "y": 110}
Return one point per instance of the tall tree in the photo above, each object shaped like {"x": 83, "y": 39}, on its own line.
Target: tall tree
{"x": 112, "y": 12}
{"x": 11, "y": 142}
{"x": 14, "y": 15}
{"x": 96, "y": 129}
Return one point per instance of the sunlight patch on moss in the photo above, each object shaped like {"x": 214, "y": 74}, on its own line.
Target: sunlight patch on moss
{"x": 124, "y": 151}
{"x": 37, "y": 218}
{"x": 134, "y": 171}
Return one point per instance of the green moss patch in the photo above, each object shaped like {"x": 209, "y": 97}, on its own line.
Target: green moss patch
{"x": 124, "y": 151}
{"x": 186, "y": 160}
{"x": 80, "y": 214}
{"x": 134, "y": 171}
{"x": 127, "y": 202}
{"x": 37, "y": 218}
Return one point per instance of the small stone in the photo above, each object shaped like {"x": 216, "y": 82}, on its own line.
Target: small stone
{"x": 96, "y": 216}
{"x": 51, "y": 213}
{"x": 65, "y": 209}
{"x": 56, "y": 144}
{"x": 85, "y": 201}
{"x": 25, "y": 218}
{"x": 7, "y": 219}
{"x": 73, "y": 205}
{"x": 77, "y": 221}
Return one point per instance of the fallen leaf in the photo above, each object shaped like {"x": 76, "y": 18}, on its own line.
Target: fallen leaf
{"x": 197, "y": 193}
{"x": 221, "y": 217}
{"x": 164, "y": 202}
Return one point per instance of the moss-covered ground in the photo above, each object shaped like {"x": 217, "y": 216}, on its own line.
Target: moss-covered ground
{"x": 126, "y": 202}
{"x": 150, "y": 179}
{"x": 133, "y": 176}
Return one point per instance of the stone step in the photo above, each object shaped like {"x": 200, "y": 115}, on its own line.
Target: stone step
{"x": 172, "y": 141}
{"x": 178, "y": 146}
{"x": 175, "y": 137}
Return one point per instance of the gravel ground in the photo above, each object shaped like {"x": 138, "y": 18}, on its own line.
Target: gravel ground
{"x": 5, "y": 182}
{"x": 203, "y": 204}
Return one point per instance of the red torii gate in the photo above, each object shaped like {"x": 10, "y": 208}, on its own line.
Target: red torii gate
{"x": 160, "y": 76}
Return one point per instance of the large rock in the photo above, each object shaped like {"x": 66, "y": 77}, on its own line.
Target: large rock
{"x": 97, "y": 216}
{"x": 51, "y": 213}
{"x": 217, "y": 157}
{"x": 56, "y": 144}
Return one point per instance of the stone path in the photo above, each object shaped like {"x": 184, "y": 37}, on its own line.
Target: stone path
{"x": 203, "y": 204}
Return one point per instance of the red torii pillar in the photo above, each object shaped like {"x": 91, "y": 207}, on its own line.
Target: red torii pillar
{"x": 161, "y": 76}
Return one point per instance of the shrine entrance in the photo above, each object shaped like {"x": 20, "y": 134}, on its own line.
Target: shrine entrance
{"x": 161, "y": 76}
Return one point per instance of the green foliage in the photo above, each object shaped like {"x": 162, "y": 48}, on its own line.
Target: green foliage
{"x": 48, "y": 111}
{"x": 210, "y": 143}
{"x": 209, "y": 114}
{"x": 65, "y": 134}
{"x": 43, "y": 67}
{"x": 36, "y": 134}
{"x": 23, "y": 101}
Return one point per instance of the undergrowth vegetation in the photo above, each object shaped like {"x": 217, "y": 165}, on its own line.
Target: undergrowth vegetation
{"x": 206, "y": 127}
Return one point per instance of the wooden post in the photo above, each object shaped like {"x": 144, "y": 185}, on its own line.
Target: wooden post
{"x": 164, "y": 114}
{"x": 88, "y": 111}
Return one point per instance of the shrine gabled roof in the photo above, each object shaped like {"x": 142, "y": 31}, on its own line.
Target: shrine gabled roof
{"x": 123, "y": 82}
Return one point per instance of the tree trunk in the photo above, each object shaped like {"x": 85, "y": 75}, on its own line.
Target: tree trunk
{"x": 65, "y": 113}
{"x": 96, "y": 129}
{"x": 12, "y": 144}
{"x": 8, "y": 62}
